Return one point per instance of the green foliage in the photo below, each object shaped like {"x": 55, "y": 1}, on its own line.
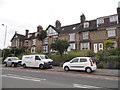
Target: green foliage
{"x": 17, "y": 52}
{"x": 42, "y": 35}
{"x": 60, "y": 46}
{"x": 109, "y": 43}
{"x": 6, "y": 53}
{"x": 118, "y": 65}
{"x": 112, "y": 58}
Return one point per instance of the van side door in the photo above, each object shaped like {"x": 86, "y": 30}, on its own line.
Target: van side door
{"x": 37, "y": 61}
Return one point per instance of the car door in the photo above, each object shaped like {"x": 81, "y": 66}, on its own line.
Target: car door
{"x": 83, "y": 63}
{"x": 9, "y": 61}
{"x": 74, "y": 65}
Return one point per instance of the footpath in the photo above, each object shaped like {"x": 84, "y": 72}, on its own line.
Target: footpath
{"x": 104, "y": 72}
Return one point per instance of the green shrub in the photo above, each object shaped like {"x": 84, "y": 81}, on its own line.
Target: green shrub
{"x": 118, "y": 66}
{"x": 99, "y": 65}
{"x": 112, "y": 58}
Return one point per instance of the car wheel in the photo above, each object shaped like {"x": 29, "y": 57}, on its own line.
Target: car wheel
{"x": 5, "y": 64}
{"x": 66, "y": 68}
{"x": 12, "y": 65}
{"x": 24, "y": 65}
{"x": 41, "y": 66}
{"x": 88, "y": 70}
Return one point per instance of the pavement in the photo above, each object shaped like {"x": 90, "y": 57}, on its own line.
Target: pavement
{"x": 104, "y": 72}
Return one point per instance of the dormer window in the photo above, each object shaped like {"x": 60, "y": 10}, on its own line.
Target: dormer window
{"x": 63, "y": 29}
{"x": 100, "y": 20}
{"x": 113, "y": 18}
{"x": 74, "y": 28}
{"x": 86, "y": 24}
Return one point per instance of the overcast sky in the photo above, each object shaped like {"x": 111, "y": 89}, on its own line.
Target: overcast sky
{"x": 19, "y": 15}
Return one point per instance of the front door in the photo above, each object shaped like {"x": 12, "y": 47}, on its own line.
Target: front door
{"x": 95, "y": 48}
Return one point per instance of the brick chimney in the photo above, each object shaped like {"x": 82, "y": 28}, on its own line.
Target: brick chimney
{"x": 118, "y": 12}
{"x": 39, "y": 28}
{"x": 57, "y": 24}
{"x": 82, "y": 18}
{"x": 26, "y": 33}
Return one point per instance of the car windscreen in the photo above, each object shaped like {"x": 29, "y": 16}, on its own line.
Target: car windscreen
{"x": 44, "y": 57}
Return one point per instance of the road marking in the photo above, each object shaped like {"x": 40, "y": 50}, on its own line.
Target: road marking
{"x": 23, "y": 77}
{"x": 83, "y": 86}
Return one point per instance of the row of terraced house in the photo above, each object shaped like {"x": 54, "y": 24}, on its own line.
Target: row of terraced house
{"x": 86, "y": 35}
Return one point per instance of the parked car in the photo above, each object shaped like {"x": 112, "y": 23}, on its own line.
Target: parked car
{"x": 80, "y": 63}
{"x": 12, "y": 61}
{"x": 40, "y": 61}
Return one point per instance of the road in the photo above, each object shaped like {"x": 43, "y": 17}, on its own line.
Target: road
{"x": 28, "y": 78}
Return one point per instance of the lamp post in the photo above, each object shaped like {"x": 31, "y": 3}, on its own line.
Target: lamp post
{"x": 4, "y": 38}
{"x": 5, "y": 34}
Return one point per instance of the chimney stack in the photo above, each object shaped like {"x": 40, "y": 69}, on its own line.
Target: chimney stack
{"x": 26, "y": 33}
{"x": 82, "y": 18}
{"x": 118, "y": 12}
{"x": 39, "y": 28}
{"x": 57, "y": 24}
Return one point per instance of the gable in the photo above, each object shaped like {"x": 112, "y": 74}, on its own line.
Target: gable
{"x": 51, "y": 32}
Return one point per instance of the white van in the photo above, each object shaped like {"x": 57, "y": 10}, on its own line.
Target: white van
{"x": 40, "y": 61}
{"x": 80, "y": 63}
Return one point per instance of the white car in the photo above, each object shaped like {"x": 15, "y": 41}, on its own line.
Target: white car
{"x": 40, "y": 61}
{"x": 12, "y": 61}
{"x": 80, "y": 63}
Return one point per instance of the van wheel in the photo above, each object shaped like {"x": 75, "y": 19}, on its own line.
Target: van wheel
{"x": 24, "y": 65}
{"x": 41, "y": 66}
{"x": 5, "y": 64}
{"x": 88, "y": 70}
{"x": 12, "y": 65}
{"x": 66, "y": 68}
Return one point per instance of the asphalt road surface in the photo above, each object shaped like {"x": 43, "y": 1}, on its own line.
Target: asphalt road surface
{"x": 27, "y": 78}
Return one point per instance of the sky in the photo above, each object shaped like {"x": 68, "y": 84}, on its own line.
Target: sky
{"x": 19, "y": 15}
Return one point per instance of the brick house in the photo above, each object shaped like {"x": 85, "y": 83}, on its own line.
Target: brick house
{"x": 28, "y": 42}
{"x": 86, "y": 35}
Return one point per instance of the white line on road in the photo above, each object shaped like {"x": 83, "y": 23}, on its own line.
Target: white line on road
{"x": 83, "y": 86}
{"x": 23, "y": 77}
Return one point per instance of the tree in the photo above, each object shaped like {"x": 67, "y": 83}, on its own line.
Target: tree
{"x": 109, "y": 43}
{"x": 42, "y": 35}
{"x": 60, "y": 46}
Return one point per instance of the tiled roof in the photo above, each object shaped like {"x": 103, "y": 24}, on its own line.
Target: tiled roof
{"x": 20, "y": 36}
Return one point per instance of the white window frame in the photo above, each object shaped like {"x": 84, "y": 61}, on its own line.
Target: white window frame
{"x": 111, "y": 32}
{"x": 71, "y": 47}
{"x": 85, "y": 46}
{"x": 34, "y": 42}
{"x": 100, "y": 21}
{"x": 45, "y": 49}
{"x": 85, "y": 35}
{"x": 113, "y": 18}
{"x": 46, "y": 41}
{"x": 72, "y": 37}
{"x": 16, "y": 43}
{"x": 26, "y": 42}
{"x": 86, "y": 24}
{"x": 100, "y": 46}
